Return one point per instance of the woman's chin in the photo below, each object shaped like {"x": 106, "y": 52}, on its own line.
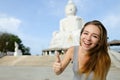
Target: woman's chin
{"x": 86, "y": 48}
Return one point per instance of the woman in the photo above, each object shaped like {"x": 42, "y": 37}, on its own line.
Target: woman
{"x": 91, "y": 60}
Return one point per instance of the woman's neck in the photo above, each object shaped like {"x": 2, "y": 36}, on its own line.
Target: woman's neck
{"x": 82, "y": 51}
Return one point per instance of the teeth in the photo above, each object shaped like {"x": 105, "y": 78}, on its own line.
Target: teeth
{"x": 87, "y": 43}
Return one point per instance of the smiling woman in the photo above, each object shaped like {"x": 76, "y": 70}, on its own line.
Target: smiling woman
{"x": 91, "y": 60}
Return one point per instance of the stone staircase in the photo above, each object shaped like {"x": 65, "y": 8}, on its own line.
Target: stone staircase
{"x": 27, "y": 60}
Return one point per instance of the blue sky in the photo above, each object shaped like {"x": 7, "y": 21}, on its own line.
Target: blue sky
{"x": 34, "y": 21}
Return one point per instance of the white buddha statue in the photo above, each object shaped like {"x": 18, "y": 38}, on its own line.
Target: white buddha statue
{"x": 70, "y": 28}
{"x": 71, "y": 22}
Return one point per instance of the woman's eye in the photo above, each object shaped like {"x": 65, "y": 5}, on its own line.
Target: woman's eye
{"x": 96, "y": 37}
{"x": 85, "y": 33}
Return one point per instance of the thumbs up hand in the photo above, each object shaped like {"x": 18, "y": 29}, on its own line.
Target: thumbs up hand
{"x": 58, "y": 58}
{"x": 57, "y": 66}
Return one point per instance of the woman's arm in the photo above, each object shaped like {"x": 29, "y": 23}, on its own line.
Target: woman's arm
{"x": 60, "y": 65}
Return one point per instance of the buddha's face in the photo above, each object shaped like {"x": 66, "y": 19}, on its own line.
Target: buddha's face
{"x": 70, "y": 9}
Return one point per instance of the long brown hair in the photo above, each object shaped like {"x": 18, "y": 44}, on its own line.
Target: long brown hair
{"x": 99, "y": 61}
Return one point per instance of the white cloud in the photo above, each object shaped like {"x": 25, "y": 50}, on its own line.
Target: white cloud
{"x": 9, "y": 24}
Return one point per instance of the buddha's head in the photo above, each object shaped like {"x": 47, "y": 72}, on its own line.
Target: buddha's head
{"x": 70, "y": 8}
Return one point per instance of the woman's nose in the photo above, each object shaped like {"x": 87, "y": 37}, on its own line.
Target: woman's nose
{"x": 88, "y": 37}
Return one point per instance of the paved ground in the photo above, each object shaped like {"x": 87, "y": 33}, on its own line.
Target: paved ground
{"x": 43, "y": 73}
{"x": 38, "y": 68}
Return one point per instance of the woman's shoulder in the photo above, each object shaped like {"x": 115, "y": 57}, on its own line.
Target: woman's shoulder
{"x": 71, "y": 50}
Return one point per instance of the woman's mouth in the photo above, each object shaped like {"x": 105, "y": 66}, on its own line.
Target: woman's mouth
{"x": 87, "y": 44}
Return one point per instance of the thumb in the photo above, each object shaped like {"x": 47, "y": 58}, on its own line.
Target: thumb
{"x": 58, "y": 58}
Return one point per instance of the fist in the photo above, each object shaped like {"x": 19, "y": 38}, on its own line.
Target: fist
{"x": 57, "y": 64}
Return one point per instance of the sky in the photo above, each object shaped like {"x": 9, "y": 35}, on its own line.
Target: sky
{"x": 34, "y": 21}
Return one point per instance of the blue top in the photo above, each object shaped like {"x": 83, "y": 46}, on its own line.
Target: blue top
{"x": 78, "y": 76}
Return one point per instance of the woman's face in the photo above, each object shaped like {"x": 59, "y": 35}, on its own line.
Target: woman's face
{"x": 90, "y": 37}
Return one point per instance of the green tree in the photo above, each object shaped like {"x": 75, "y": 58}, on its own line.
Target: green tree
{"x": 7, "y": 41}
{"x": 3, "y": 42}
